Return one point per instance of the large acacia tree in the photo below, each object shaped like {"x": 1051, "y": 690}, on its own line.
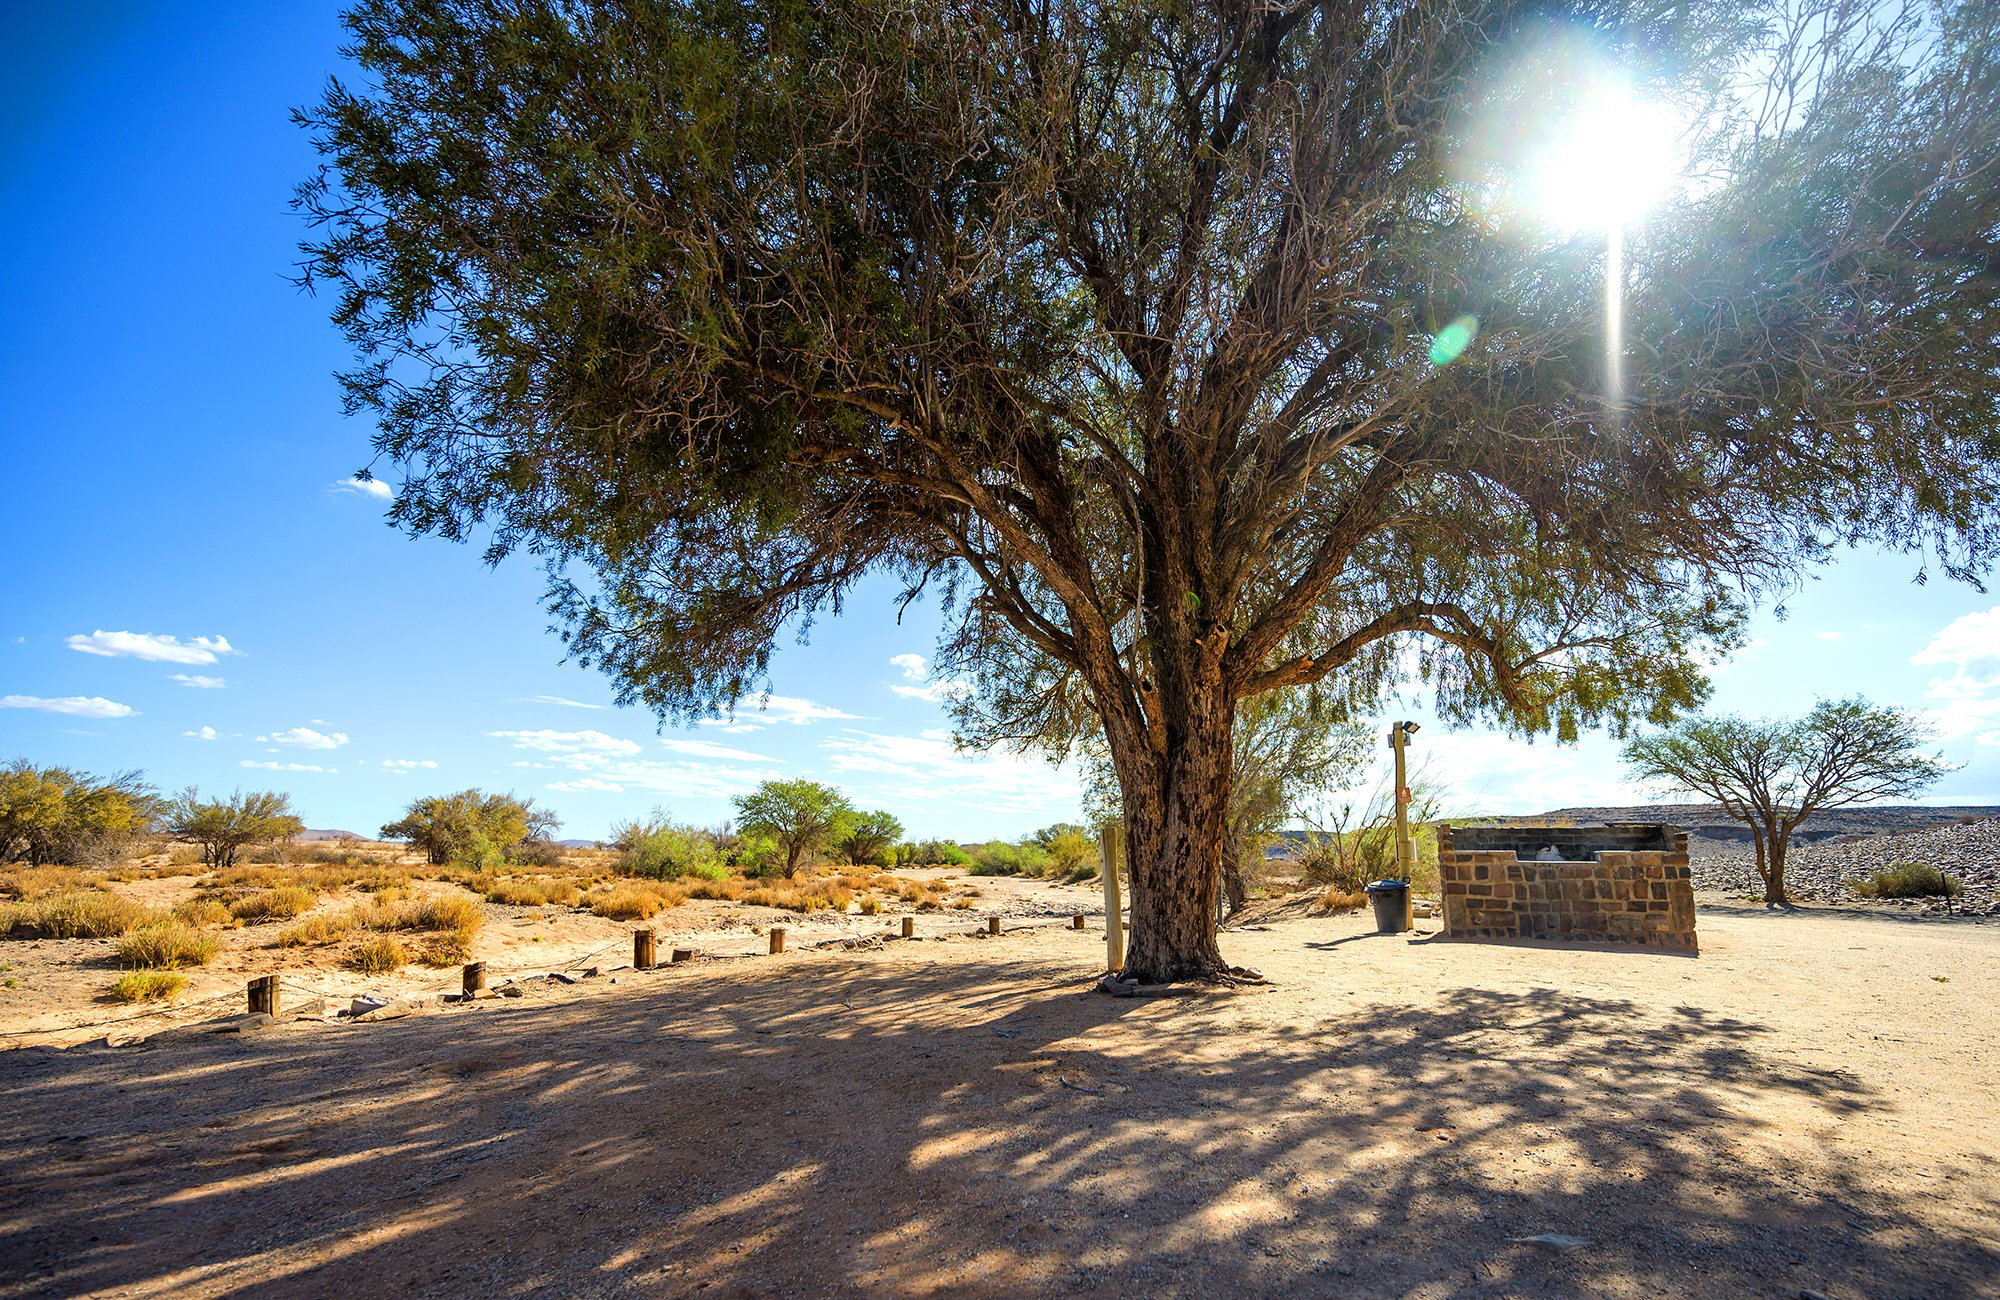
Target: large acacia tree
{"x": 1119, "y": 323}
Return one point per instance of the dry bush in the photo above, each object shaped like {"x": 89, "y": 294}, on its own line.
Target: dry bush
{"x": 37, "y": 882}
{"x": 324, "y": 928}
{"x": 163, "y": 947}
{"x": 378, "y": 955}
{"x": 961, "y": 904}
{"x": 439, "y": 912}
{"x": 1338, "y": 899}
{"x": 533, "y": 892}
{"x": 447, "y": 949}
{"x": 838, "y": 896}
{"x": 148, "y": 985}
{"x": 634, "y": 901}
{"x": 81, "y": 914}
{"x": 184, "y": 855}
{"x": 203, "y": 910}
{"x": 282, "y": 903}
{"x": 870, "y": 905}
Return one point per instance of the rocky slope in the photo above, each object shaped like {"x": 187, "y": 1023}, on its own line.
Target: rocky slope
{"x": 1968, "y": 853}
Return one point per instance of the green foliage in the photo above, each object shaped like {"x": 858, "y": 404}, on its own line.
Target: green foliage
{"x": 60, "y": 815}
{"x": 471, "y": 828}
{"x": 661, "y": 850}
{"x": 935, "y": 853}
{"x": 999, "y": 858}
{"x": 1907, "y": 880}
{"x": 869, "y": 839}
{"x": 758, "y": 855}
{"x": 803, "y": 816}
{"x": 222, "y": 827}
{"x": 1072, "y": 854}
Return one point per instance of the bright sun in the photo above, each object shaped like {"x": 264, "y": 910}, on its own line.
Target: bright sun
{"x": 1599, "y": 160}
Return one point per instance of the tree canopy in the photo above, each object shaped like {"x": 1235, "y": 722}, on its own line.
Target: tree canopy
{"x": 1773, "y": 774}
{"x": 60, "y": 815}
{"x": 472, "y": 826}
{"x": 1124, "y": 326}
{"x": 224, "y": 826}
{"x": 803, "y": 816}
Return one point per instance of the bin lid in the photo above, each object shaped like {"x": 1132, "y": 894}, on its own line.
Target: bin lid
{"x": 1386, "y": 887}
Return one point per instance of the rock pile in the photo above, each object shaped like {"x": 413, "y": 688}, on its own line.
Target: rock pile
{"x": 1969, "y": 854}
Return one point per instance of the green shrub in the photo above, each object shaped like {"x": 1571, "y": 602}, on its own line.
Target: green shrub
{"x": 999, "y": 858}
{"x": 163, "y": 947}
{"x": 282, "y": 903}
{"x": 1906, "y": 880}
{"x": 148, "y": 985}
{"x": 380, "y": 955}
{"x": 82, "y": 914}
{"x": 660, "y": 850}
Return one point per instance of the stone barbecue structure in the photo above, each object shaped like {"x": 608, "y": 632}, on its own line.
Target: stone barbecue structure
{"x": 1623, "y": 883}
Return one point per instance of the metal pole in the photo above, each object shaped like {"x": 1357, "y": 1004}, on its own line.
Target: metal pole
{"x": 1406, "y": 850}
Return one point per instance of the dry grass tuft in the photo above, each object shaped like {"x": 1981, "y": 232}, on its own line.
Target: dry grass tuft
{"x": 634, "y": 901}
{"x": 80, "y": 914}
{"x": 324, "y": 928}
{"x": 379, "y": 955}
{"x": 1338, "y": 899}
{"x": 163, "y": 947}
{"x": 281, "y": 903}
{"x": 519, "y": 891}
{"x": 39, "y": 882}
{"x": 203, "y": 910}
{"x": 447, "y": 949}
{"x": 148, "y": 985}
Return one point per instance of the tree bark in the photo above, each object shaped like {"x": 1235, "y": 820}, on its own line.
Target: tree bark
{"x": 1774, "y": 875}
{"x": 1176, "y": 831}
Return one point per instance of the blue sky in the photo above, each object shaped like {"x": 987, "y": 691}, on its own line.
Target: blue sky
{"x": 193, "y": 591}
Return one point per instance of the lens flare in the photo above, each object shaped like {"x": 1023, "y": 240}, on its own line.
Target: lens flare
{"x": 1452, "y": 341}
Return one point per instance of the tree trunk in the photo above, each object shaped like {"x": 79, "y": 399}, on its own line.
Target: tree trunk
{"x": 1774, "y": 874}
{"x": 1176, "y": 834}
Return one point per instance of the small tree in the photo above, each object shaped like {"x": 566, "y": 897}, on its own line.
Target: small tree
{"x": 1070, "y": 850}
{"x": 471, "y": 826}
{"x": 1772, "y": 774}
{"x": 802, "y": 816}
{"x": 870, "y": 838}
{"x": 224, "y": 826}
{"x": 58, "y": 815}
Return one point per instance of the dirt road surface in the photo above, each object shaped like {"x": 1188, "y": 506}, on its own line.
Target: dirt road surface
{"x": 1813, "y": 1103}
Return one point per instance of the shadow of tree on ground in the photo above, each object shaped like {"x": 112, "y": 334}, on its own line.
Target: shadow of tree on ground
{"x": 881, "y": 1126}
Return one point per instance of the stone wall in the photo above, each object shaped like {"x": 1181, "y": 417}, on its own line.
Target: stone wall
{"x": 1621, "y": 884}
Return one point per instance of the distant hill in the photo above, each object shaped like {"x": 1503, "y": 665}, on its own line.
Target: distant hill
{"x": 1708, "y": 821}
{"x": 581, "y": 844}
{"x": 328, "y": 835}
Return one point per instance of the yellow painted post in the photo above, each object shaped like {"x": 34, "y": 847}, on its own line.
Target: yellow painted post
{"x": 1111, "y": 852}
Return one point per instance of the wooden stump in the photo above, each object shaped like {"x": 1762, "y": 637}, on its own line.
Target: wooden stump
{"x": 474, "y": 978}
{"x": 777, "y": 938}
{"x": 644, "y": 955}
{"x": 1076, "y": 922}
{"x": 264, "y": 995}
{"x": 992, "y": 925}
{"x": 909, "y": 927}
{"x": 682, "y": 954}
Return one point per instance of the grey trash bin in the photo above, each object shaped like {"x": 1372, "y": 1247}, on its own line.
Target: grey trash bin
{"x": 1391, "y": 900}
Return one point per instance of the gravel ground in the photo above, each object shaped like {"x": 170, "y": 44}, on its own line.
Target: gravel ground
{"x": 1970, "y": 854}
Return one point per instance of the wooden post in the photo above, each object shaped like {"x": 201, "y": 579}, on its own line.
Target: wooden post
{"x": 777, "y": 938}
{"x": 1111, "y": 849}
{"x": 644, "y": 955}
{"x": 264, "y": 995}
{"x": 1076, "y": 922}
{"x": 909, "y": 927}
{"x": 475, "y": 979}
{"x": 992, "y": 925}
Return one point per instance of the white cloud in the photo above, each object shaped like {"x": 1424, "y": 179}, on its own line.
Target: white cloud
{"x": 587, "y": 784}
{"x": 783, "y": 708}
{"x": 157, "y": 649}
{"x": 206, "y": 733}
{"x": 926, "y": 768}
{"x": 935, "y": 692}
{"x": 1827, "y": 636}
{"x": 569, "y": 743}
{"x": 305, "y": 738}
{"x": 285, "y": 767}
{"x": 1970, "y": 646}
{"x": 373, "y": 488}
{"x": 1491, "y": 772}
{"x": 554, "y": 699}
{"x": 702, "y": 749}
{"x": 408, "y": 764}
{"x": 198, "y": 681}
{"x": 77, "y": 706}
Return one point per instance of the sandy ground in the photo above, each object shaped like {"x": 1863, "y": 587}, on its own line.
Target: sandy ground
{"x": 1811, "y": 1103}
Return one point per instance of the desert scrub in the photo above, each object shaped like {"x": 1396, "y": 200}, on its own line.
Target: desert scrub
{"x": 447, "y": 949}
{"x": 380, "y": 955}
{"x": 1906, "y": 880}
{"x": 164, "y": 947}
{"x": 81, "y": 914}
{"x": 870, "y": 905}
{"x": 634, "y": 902}
{"x": 282, "y": 903}
{"x": 148, "y": 985}
{"x": 203, "y": 910}
{"x": 528, "y": 892}
{"x": 324, "y": 928}
{"x": 1338, "y": 899}
{"x": 38, "y": 882}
